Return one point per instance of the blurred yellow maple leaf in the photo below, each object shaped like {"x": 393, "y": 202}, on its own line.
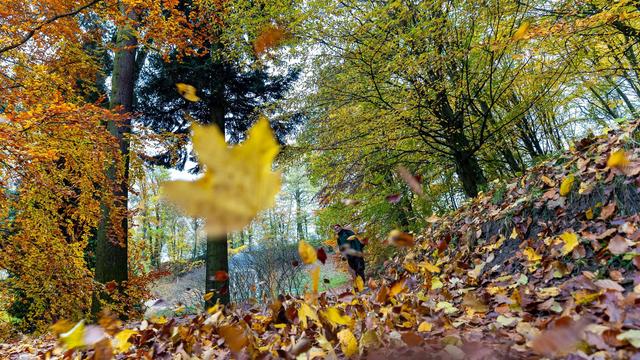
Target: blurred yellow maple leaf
{"x": 74, "y": 338}
{"x": 617, "y": 159}
{"x": 237, "y": 183}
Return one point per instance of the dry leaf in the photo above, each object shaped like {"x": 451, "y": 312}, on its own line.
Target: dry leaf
{"x": 237, "y": 183}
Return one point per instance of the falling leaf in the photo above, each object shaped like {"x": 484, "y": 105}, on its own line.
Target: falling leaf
{"x": 393, "y": 198}
{"x": 412, "y": 339}
{"x": 187, "y": 91}
{"x": 567, "y": 183}
{"x": 322, "y": 255}
{"x": 425, "y": 326}
{"x": 221, "y": 276}
{"x": 74, "y": 338}
{"x": 618, "y": 160}
{"x": 560, "y": 340}
{"x": 359, "y": 283}
{"x": 234, "y": 336}
{"x": 570, "y": 240}
{"x": 307, "y": 252}
{"x": 348, "y": 342}
{"x": 521, "y": 32}
{"x": 411, "y": 180}
{"x": 122, "y": 343}
{"x": 269, "y": 38}
{"x": 237, "y": 183}
{"x": 401, "y": 239}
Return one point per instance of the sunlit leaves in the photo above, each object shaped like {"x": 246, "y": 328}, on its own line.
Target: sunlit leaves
{"x": 237, "y": 183}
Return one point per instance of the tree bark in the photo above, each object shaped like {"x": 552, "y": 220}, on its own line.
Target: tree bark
{"x": 469, "y": 172}
{"x": 217, "y": 257}
{"x": 111, "y": 241}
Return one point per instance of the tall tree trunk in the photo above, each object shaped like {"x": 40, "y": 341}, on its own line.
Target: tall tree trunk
{"x": 111, "y": 242}
{"x": 217, "y": 258}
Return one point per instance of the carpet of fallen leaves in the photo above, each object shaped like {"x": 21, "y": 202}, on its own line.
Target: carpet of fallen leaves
{"x": 547, "y": 266}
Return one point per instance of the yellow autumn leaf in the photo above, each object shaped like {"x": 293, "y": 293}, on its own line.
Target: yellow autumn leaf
{"x": 425, "y": 326}
{"x": 397, "y": 287}
{"x": 306, "y": 312}
{"x": 334, "y": 316}
{"x": 531, "y": 254}
{"x": 567, "y": 183}
{"x": 436, "y": 283}
{"x": 429, "y": 267}
{"x": 410, "y": 266}
{"x": 589, "y": 214}
{"x": 359, "y": 283}
{"x": 74, "y": 338}
{"x": 208, "y": 296}
{"x": 521, "y": 32}
{"x": 570, "y": 240}
{"x": 122, "y": 343}
{"x": 618, "y": 159}
{"x": 348, "y": 342}
{"x": 307, "y": 252}
{"x": 237, "y": 183}
{"x": 187, "y": 91}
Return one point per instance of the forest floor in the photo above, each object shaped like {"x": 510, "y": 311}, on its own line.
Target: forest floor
{"x": 546, "y": 265}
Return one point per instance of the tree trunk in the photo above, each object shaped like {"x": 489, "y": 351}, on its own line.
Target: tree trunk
{"x": 217, "y": 257}
{"x": 469, "y": 172}
{"x": 111, "y": 241}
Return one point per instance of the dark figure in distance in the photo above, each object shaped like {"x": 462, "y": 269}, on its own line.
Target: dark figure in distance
{"x": 352, "y": 248}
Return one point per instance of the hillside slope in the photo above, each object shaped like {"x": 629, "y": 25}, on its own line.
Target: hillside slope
{"x": 520, "y": 272}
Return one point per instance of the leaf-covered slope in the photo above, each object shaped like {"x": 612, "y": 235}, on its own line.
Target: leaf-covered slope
{"x": 556, "y": 251}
